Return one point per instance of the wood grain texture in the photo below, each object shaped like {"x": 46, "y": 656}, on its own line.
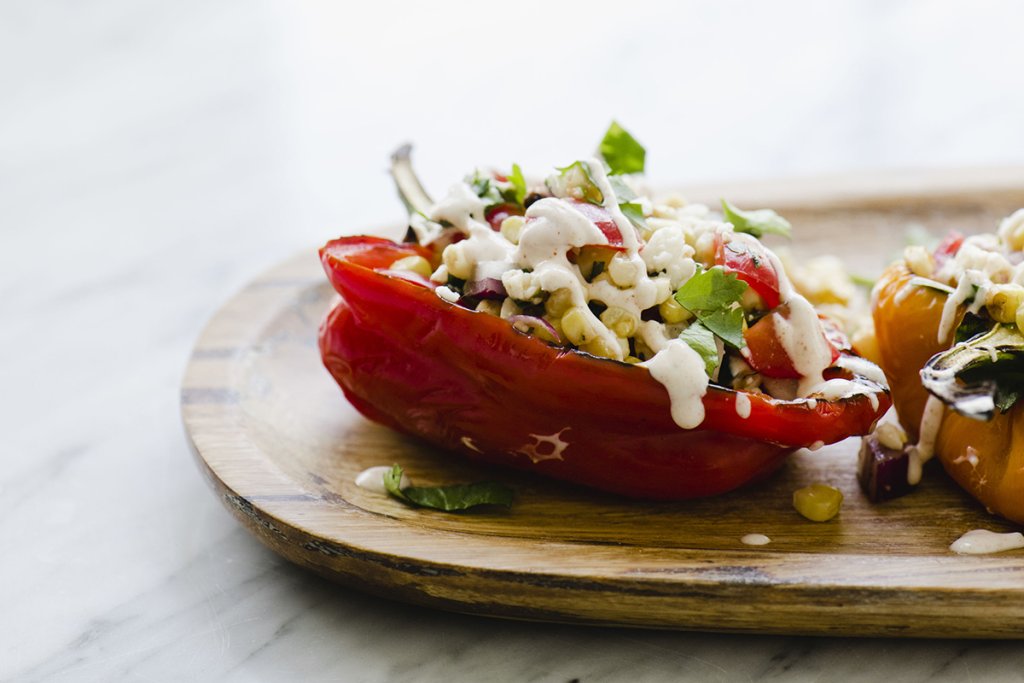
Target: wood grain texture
{"x": 282, "y": 447}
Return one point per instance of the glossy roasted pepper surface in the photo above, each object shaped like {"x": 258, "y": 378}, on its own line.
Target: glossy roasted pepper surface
{"x": 468, "y": 382}
{"x": 985, "y": 458}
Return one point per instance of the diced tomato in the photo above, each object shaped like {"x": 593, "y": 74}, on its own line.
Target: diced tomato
{"x": 765, "y": 353}
{"x": 499, "y": 212}
{"x": 604, "y": 222}
{"x": 948, "y": 247}
{"x": 750, "y": 262}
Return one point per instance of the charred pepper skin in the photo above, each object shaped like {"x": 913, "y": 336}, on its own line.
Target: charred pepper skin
{"x": 985, "y": 458}
{"x": 469, "y": 383}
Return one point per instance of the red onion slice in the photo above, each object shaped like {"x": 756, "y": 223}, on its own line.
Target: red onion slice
{"x": 538, "y": 327}
{"x": 484, "y": 288}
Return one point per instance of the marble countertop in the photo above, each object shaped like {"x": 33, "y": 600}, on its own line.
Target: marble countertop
{"x": 156, "y": 156}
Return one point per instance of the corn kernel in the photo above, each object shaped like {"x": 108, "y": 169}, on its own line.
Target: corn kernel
{"x": 512, "y": 228}
{"x": 865, "y": 343}
{"x": 1020, "y": 318}
{"x": 891, "y": 435}
{"x": 620, "y": 321}
{"x": 489, "y": 306}
{"x": 672, "y": 312}
{"x": 1004, "y": 301}
{"x": 414, "y": 264}
{"x": 509, "y": 308}
{"x": 919, "y": 260}
{"x": 457, "y": 262}
{"x": 623, "y": 271}
{"x": 578, "y": 325}
{"x": 1011, "y": 231}
{"x": 818, "y": 502}
{"x": 633, "y": 360}
{"x": 705, "y": 247}
{"x": 599, "y": 347}
{"x": 558, "y": 302}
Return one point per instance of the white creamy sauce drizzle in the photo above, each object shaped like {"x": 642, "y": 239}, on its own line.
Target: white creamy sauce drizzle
{"x": 681, "y": 370}
{"x": 372, "y": 479}
{"x": 864, "y": 368}
{"x": 755, "y": 539}
{"x": 801, "y": 335}
{"x": 965, "y": 289}
{"x": 924, "y": 449}
{"x": 983, "y": 542}
{"x": 539, "y": 263}
{"x": 742, "y": 405}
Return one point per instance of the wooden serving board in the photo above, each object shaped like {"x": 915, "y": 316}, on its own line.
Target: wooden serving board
{"x": 282, "y": 447}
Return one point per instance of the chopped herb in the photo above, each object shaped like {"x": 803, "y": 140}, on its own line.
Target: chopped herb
{"x": 518, "y": 184}
{"x": 713, "y": 296}
{"x": 577, "y": 182}
{"x": 447, "y": 498}
{"x": 757, "y": 222}
{"x": 635, "y": 213}
{"x": 702, "y": 340}
{"x": 621, "y": 151}
{"x": 486, "y": 188}
{"x": 623, "y": 192}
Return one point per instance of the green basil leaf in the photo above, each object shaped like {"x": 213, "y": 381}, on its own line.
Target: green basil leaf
{"x": 635, "y": 213}
{"x": 702, "y": 340}
{"x": 727, "y": 323}
{"x": 710, "y": 289}
{"x": 519, "y": 183}
{"x": 450, "y": 498}
{"x": 713, "y": 296}
{"x": 621, "y": 151}
{"x": 486, "y": 188}
{"x": 758, "y": 222}
{"x": 623, "y": 192}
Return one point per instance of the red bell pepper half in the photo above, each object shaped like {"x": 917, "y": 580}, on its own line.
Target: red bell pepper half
{"x": 468, "y": 382}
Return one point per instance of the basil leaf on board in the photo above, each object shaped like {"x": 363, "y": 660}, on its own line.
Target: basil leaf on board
{"x": 713, "y": 296}
{"x": 702, "y": 340}
{"x": 757, "y": 222}
{"x": 450, "y": 498}
{"x": 621, "y": 151}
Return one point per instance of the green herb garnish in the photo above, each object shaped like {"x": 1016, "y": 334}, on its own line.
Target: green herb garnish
{"x": 447, "y": 498}
{"x": 577, "y": 182}
{"x": 621, "y": 151}
{"x": 757, "y": 222}
{"x": 635, "y": 213}
{"x": 713, "y": 296}
{"x": 702, "y": 340}
{"x": 518, "y": 184}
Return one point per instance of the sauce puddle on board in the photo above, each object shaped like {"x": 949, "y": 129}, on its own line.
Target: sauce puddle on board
{"x": 756, "y": 539}
{"x": 983, "y": 542}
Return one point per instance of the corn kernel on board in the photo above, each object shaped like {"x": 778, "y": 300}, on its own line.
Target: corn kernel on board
{"x": 282, "y": 448}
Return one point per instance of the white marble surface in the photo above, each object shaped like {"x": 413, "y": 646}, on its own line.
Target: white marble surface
{"x": 155, "y": 156}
